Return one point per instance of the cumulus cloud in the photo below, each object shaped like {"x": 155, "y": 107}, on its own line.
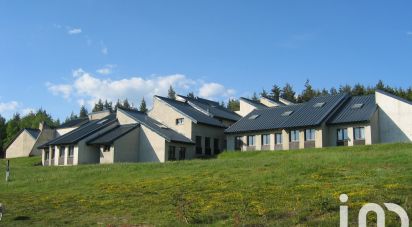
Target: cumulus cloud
{"x": 8, "y": 106}
{"x": 87, "y": 89}
{"x": 215, "y": 91}
{"x": 106, "y": 70}
{"x": 74, "y": 31}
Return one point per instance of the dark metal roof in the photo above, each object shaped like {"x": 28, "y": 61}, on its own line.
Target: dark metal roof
{"x": 348, "y": 114}
{"x": 302, "y": 115}
{"x": 213, "y": 108}
{"x": 309, "y": 115}
{"x": 167, "y": 133}
{"x": 267, "y": 119}
{"x": 254, "y": 103}
{"x": 112, "y": 135}
{"x": 194, "y": 114}
{"x": 75, "y": 122}
{"x": 82, "y": 132}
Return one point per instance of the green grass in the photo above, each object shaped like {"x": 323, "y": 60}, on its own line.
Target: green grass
{"x": 288, "y": 188}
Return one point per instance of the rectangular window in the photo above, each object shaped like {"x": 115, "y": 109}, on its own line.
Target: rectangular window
{"x": 182, "y": 153}
{"x": 266, "y": 139}
{"x": 294, "y": 136}
{"x": 238, "y": 143}
{"x": 199, "y": 145}
{"x": 53, "y": 152}
{"x": 310, "y": 134}
{"x": 359, "y": 133}
{"x": 71, "y": 151}
{"x": 180, "y": 121}
{"x": 208, "y": 148}
{"x": 251, "y": 140}
{"x": 172, "y": 153}
{"x": 342, "y": 134}
{"x": 216, "y": 146}
{"x": 61, "y": 149}
{"x": 278, "y": 138}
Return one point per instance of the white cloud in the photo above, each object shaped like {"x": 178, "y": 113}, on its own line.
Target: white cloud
{"x": 64, "y": 90}
{"x": 108, "y": 69}
{"x": 74, "y": 31}
{"x": 26, "y": 111}
{"x": 215, "y": 90}
{"x": 8, "y": 106}
{"x": 105, "y": 51}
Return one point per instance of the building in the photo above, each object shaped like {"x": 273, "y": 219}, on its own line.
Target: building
{"x": 24, "y": 143}
{"x": 248, "y": 105}
{"x": 203, "y": 121}
{"x": 336, "y": 120}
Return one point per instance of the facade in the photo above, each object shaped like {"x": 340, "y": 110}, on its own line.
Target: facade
{"x": 339, "y": 120}
{"x": 248, "y": 105}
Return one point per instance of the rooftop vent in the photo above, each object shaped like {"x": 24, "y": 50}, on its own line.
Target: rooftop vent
{"x": 287, "y": 113}
{"x": 319, "y": 105}
{"x": 253, "y": 117}
{"x": 357, "y": 106}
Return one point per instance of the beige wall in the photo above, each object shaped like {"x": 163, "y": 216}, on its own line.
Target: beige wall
{"x": 190, "y": 150}
{"x": 62, "y": 131}
{"x": 258, "y": 140}
{"x": 211, "y": 132}
{"x": 126, "y": 148}
{"x": 267, "y": 102}
{"x": 245, "y": 108}
{"x": 22, "y": 146}
{"x": 123, "y": 118}
{"x": 106, "y": 157}
{"x": 370, "y": 134}
{"x": 395, "y": 119}
{"x": 99, "y": 115}
{"x": 152, "y": 147}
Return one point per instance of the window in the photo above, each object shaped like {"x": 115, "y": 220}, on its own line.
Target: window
{"x": 359, "y": 133}
{"x": 106, "y": 148}
{"x": 287, "y": 113}
{"x": 238, "y": 142}
{"x": 319, "y": 105}
{"x": 172, "y": 153}
{"x": 46, "y": 155}
{"x": 216, "y": 146}
{"x": 251, "y": 140}
{"x": 266, "y": 139}
{"x": 278, "y": 138}
{"x": 182, "y": 153}
{"x": 53, "y": 152}
{"x": 253, "y": 117}
{"x": 180, "y": 121}
{"x": 61, "y": 153}
{"x": 310, "y": 134}
{"x": 342, "y": 134}
{"x": 294, "y": 136}
{"x": 102, "y": 121}
{"x": 208, "y": 149}
{"x": 198, "y": 145}
{"x": 357, "y": 106}
{"x": 71, "y": 151}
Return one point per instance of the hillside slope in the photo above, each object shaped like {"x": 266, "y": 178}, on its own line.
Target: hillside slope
{"x": 258, "y": 188}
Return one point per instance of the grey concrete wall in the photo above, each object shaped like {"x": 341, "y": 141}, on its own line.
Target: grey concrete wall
{"x": 152, "y": 147}
{"x": 126, "y": 148}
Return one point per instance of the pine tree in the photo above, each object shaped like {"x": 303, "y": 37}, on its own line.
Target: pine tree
{"x": 264, "y": 93}
{"x": 98, "y": 106}
{"x": 380, "y": 85}
{"x": 345, "y": 89}
{"x": 143, "y": 107}
{"x": 12, "y": 128}
{"x": 288, "y": 93}
{"x": 126, "y": 105}
{"x": 254, "y": 97}
{"x": 191, "y": 95}
{"x": 358, "y": 89}
{"x": 118, "y": 104}
{"x": 333, "y": 91}
{"x": 2, "y": 135}
{"x": 83, "y": 112}
{"x": 308, "y": 93}
{"x": 108, "y": 106}
{"x": 233, "y": 105}
{"x": 171, "y": 93}
{"x": 275, "y": 92}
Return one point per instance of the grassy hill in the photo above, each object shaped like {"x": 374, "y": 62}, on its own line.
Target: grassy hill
{"x": 258, "y": 188}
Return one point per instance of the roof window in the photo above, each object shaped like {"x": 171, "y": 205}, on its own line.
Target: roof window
{"x": 287, "y": 113}
{"x": 357, "y": 106}
{"x": 253, "y": 117}
{"x": 319, "y": 104}
{"x": 102, "y": 121}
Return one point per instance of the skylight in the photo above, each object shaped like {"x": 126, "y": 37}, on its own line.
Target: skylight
{"x": 357, "y": 106}
{"x": 253, "y": 117}
{"x": 319, "y": 105}
{"x": 287, "y": 113}
{"x": 102, "y": 121}
{"x": 161, "y": 125}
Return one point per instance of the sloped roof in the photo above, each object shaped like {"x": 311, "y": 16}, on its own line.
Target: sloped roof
{"x": 267, "y": 119}
{"x": 33, "y": 132}
{"x": 194, "y": 114}
{"x": 348, "y": 114}
{"x": 254, "y": 103}
{"x": 82, "y": 132}
{"x": 112, "y": 135}
{"x": 169, "y": 134}
{"x": 75, "y": 122}
{"x": 212, "y": 108}
{"x": 292, "y": 116}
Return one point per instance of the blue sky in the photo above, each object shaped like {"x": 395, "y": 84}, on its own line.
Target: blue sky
{"x": 58, "y": 55}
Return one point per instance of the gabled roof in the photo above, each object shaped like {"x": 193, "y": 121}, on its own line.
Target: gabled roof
{"x": 263, "y": 119}
{"x": 195, "y": 115}
{"x": 348, "y": 113}
{"x": 112, "y": 135}
{"x": 291, "y": 116}
{"x": 212, "y": 108}
{"x": 33, "y": 132}
{"x": 256, "y": 104}
{"x": 74, "y": 123}
{"x": 82, "y": 132}
{"x": 169, "y": 134}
